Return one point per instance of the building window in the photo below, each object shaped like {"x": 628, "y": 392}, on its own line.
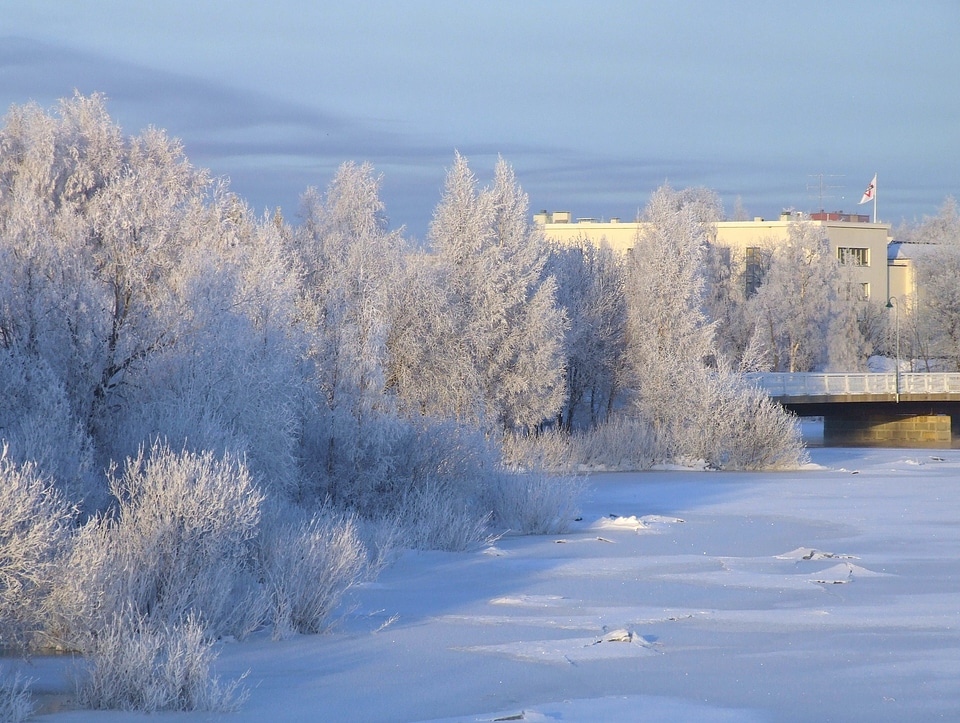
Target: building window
{"x": 853, "y": 256}
{"x": 859, "y": 291}
{"x": 753, "y": 273}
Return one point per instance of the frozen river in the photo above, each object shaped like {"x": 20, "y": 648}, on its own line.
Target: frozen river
{"x": 825, "y": 594}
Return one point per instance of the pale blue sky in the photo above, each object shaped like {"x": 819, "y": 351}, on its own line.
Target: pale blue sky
{"x": 594, "y": 104}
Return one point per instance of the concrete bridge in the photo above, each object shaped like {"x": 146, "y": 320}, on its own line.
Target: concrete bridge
{"x": 879, "y": 410}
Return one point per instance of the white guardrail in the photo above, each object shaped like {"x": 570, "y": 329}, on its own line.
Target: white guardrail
{"x": 783, "y": 384}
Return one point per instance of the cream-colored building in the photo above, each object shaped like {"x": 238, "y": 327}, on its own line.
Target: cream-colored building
{"x": 901, "y": 263}
{"x": 853, "y": 239}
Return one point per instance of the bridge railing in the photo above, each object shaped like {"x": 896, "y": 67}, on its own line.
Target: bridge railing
{"x": 930, "y": 383}
{"x": 783, "y": 384}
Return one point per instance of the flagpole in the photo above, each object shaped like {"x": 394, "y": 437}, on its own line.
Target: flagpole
{"x": 875, "y": 184}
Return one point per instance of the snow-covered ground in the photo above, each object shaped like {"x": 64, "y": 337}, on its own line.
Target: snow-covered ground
{"x": 827, "y": 594}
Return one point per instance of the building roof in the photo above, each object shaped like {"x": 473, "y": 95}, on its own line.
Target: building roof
{"x": 908, "y": 250}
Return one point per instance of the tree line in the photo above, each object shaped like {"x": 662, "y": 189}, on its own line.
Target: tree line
{"x": 929, "y": 319}
{"x": 214, "y": 421}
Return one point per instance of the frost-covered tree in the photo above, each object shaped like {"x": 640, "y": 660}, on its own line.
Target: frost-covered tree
{"x": 935, "y": 321}
{"x": 684, "y": 391}
{"x": 591, "y": 292}
{"x": 668, "y": 332}
{"x": 425, "y": 371}
{"x": 854, "y": 329}
{"x": 504, "y": 356}
{"x": 726, "y": 295}
{"x": 38, "y": 427}
{"x": 144, "y": 291}
{"x": 750, "y": 297}
{"x": 142, "y": 303}
{"x": 231, "y": 384}
{"x": 351, "y": 261}
{"x": 92, "y": 232}
{"x": 792, "y": 309}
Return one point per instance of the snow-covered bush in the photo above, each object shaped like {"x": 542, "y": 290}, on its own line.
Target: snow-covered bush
{"x": 16, "y": 703}
{"x": 40, "y": 427}
{"x": 734, "y": 425}
{"x": 456, "y": 457}
{"x": 34, "y": 528}
{"x": 432, "y": 516}
{"x": 309, "y": 563}
{"x": 621, "y": 443}
{"x": 442, "y": 470}
{"x": 180, "y": 542}
{"x": 754, "y": 432}
{"x": 533, "y": 502}
{"x": 428, "y": 479}
{"x": 548, "y": 449}
{"x": 537, "y": 491}
{"x": 135, "y": 665}
{"x": 349, "y": 459}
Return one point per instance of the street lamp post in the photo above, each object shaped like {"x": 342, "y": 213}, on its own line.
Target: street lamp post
{"x": 893, "y": 303}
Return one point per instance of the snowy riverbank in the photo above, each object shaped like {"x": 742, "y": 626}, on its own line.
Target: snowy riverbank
{"x": 831, "y": 593}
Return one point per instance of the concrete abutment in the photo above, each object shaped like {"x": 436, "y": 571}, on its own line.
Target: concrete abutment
{"x": 888, "y": 430}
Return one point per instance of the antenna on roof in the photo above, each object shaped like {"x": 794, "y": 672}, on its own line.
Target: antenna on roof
{"x": 822, "y": 186}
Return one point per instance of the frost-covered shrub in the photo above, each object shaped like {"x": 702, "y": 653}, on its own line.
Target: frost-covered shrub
{"x": 39, "y": 426}
{"x": 734, "y": 425}
{"x": 432, "y": 517}
{"x": 352, "y": 460}
{"x": 621, "y": 443}
{"x": 34, "y": 528}
{"x": 180, "y": 542}
{"x": 227, "y": 400}
{"x": 550, "y": 449}
{"x": 754, "y": 433}
{"x": 443, "y": 457}
{"x": 134, "y": 665}
{"x": 442, "y": 472}
{"x": 450, "y": 485}
{"x": 428, "y": 479}
{"x": 535, "y": 502}
{"x": 16, "y": 703}
{"x": 309, "y": 563}
{"x": 537, "y": 492}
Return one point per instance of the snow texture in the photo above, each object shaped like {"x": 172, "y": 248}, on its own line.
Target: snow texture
{"x": 679, "y": 596}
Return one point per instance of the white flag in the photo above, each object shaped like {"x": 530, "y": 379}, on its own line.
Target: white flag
{"x": 871, "y": 191}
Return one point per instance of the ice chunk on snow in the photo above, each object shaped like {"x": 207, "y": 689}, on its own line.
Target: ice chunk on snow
{"x": 808, "y": 553}
{"x": 843, "y": 573}
{"x": 534, "y": 601}
{"x": 620, "y": 523}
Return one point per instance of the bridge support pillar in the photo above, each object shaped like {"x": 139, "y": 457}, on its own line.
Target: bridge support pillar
{"x": 887, "y": 430}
